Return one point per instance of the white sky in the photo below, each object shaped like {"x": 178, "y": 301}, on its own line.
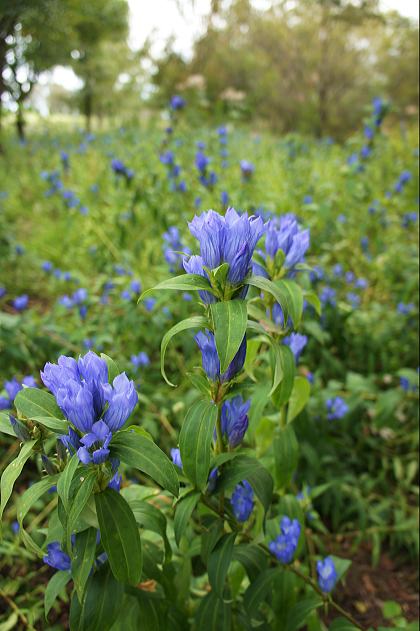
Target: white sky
{"x": 161, "y": 19}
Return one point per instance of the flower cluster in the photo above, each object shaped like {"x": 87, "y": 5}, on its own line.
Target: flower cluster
{"x": 95, "y": 408}
{"x": 230, "y": 239}
{"x": 285, "y": 234}
{"x": 284, "y": 546}
{"x": 336, "y": 408}
{"x": 327, "y": 574}
{"x": 121, "y": 170}
{"x": 210, "y": 359}
{"x": 242, "y": 501}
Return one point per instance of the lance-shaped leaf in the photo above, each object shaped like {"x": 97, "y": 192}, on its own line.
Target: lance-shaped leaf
{"x": 252, "y": 557}
{"x": 151, "y": 518}
{"x": 229, "y": 324}
{"x": 79, "y": 502}
{"x": 213, "y": 614}
{"x": 143, "y": 454}
{"x": 219, "y": 561}
{"x": 35, "y": 403}
{"x": 183, "y": 511}
{"x": 101, "y": 604}
{"x": 298, "y": 614}
{"x": 281, "y": 394}
{"x": 84, "y": 550}
{"x": 293, "y": 296}
{"x": 195, "y": 441}
{"x": 25, "y": 502}
{"x": 55, "y": 586}
{"x": 119, "y": 536}
{"x": 12, "y": 472}
{"x": 196, "y": 322}
{"x": 298, "y": 398}
{"x": 286, "y": 451}
{"x": 5, "y": 425}
{"x": 258, "y": 590}
{"x": 184, "y": 282}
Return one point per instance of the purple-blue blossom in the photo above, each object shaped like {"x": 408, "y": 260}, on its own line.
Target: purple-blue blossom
{"x": 210, "y": 360}
{"x": 234, "y": 420}
{"x": 176, "y": 457}
{"x": 327, "y": 574}
{"x": 296, "y": 343}
{"x": 230, "y": 239}
{"x": 284, "y": 546}
{"x": 242, "y": 501}
{"x": 56, "y": 558}
{"x": 336, "y": 408}
{"x": 94, "y": 407}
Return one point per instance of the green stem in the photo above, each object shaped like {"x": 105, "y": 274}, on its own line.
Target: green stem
{"x": 283, "y": 417}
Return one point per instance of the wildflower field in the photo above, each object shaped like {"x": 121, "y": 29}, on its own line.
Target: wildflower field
{"x": 209, "y": 378}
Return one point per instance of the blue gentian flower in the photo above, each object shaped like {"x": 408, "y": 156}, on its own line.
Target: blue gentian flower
{"x": 141, "y": 359}
{"x": 115, "y": 482}
{"x": 172, "y": 248}
{"x": 95, "y": 444}
{"x": 327, "y": 574}
{"x": 234, "y": 420}
{"x": 201, "y": 162}
{"x": 229, "y": 239}
{"x": 353, "y": 299}
{"x": 284, "y": 546}
{"x": 47, "y": 266}
{"x": 405, "y": 309}
{"x": 56, "y": 558}
{"x": 247, "y": 169}
{"x": 210, "y": 360}
{"x": 20, "y": 303}
{"x": 284, "y": 234}
{"x": 328, "y": 296}
{"x": 242, "y": 501}
{"x": 176, "y": 457}
{"x": 177, "y": 102}
{"x": 2, "y": 291}
{"x": 308, "y": 199}
{"x": 167, "y": 158}
{"x": 336, "y": 408}
{"x": 149, "y": 303}
{"x": 297, "y": 343}
{"x": 89, "y": 402}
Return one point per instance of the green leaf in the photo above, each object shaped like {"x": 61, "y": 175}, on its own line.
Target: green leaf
{"x": 272, "y": 288}
{"x": 5, "y": 425}
{"x": 143, "y": 454}
{"x": 79, "y": 502}
{"x": 56, "y": 425}
{"x": 283, "y": 391}
{"x": 12, "y": 472}
{"x": 341, "y": 624}
{"x": 84, "y": 551}
{"x": 119, "y": 536}
{"x": 248, "y": 468}
{"x": 185, "y": 282}
{"x": 113, "y": 368}
{"x": 183, "y": 512}
{"x": 313, "y": 300}
{"x": 298, "y": 398}
{"x": 219, "y": 561}
{"x": 149, "y": 517}
{"x": 195, "y": 322}
{"x": 200, "y": 383}
{"x": 55, "y": 585}
{"x": 252, "y": 558}
{"x": 297, "y": 616}
{"x": 35, "y": 403}
{"x": 65, "y": 480}
{"x": 195, "y": 441}
{"x": 286, "y": 451}
{"x": 258, "y": 590}
{"x": 293, "y": 296}
{"x": 229, "y": 323}
{"x": 101, "y": 605}
{"x": 213, "y": 614}
{"x": 28, "y": 499}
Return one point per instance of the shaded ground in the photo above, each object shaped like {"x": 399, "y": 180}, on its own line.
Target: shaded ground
{"x": 366, "y": 588}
